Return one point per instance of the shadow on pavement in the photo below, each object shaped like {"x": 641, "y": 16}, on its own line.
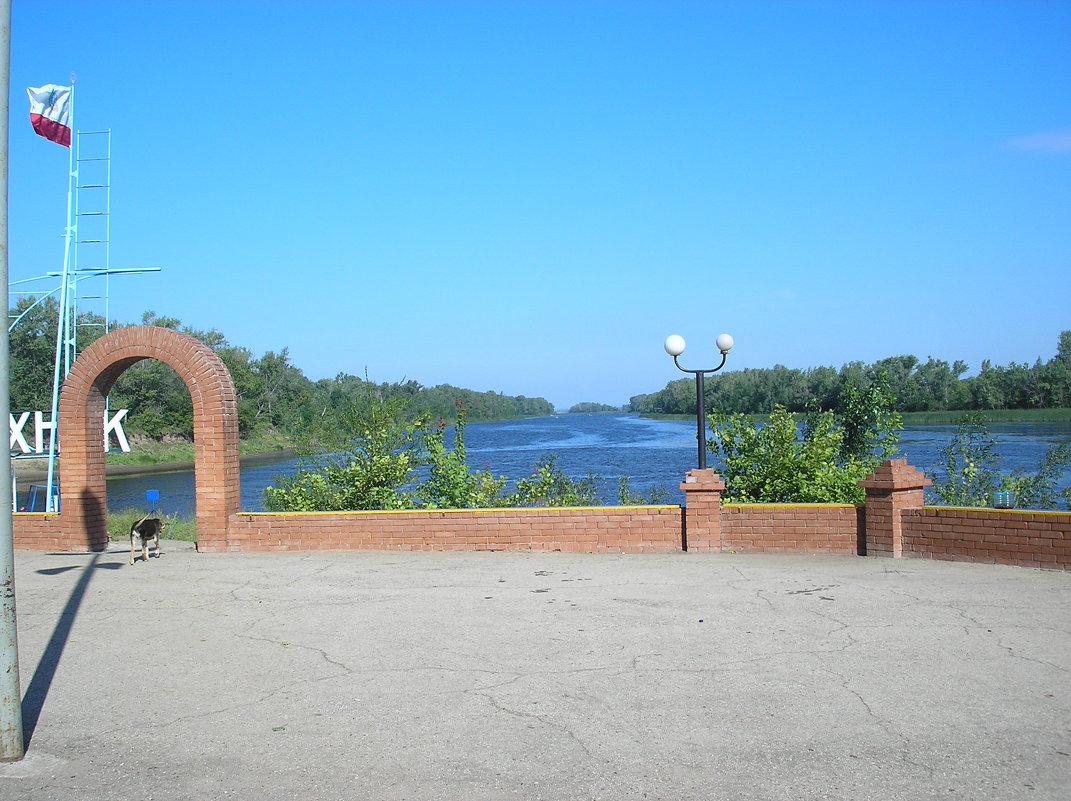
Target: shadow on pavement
{"x": 37, "y": 690}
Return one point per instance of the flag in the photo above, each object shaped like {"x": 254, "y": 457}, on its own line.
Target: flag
{"x": 50, "y": 112}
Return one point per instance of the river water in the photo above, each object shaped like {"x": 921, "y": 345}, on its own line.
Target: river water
{"x": 652, "y": 453}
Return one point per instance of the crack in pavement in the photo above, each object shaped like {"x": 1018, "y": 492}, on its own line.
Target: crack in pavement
{"x": 560, "y": 727}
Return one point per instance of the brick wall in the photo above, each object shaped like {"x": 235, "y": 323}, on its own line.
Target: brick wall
{"x": 792, "y": 528}
{"x": 614, "y": 529}
{"x": 38, "y": 531}
{"x": 1013, "y": 537}
{"x": 999, "y": 536}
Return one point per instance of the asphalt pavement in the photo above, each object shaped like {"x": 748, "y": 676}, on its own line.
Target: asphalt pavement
{"x": 532, "y": 675}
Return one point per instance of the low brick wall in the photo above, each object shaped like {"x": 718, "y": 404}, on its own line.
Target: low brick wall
{"x": 893, "y": 522}
{"x": 792, "y": 528}
{"x": 1007, "y": 537}
{"x": 615, "y": 529}
{"x": 38, "y": 531}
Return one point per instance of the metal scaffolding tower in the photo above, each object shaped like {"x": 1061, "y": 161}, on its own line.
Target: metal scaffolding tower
{"x": 92, "y": 221}
{"x": 86, "y": 257}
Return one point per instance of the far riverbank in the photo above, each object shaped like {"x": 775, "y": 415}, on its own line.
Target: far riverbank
{"x": 942, "y": 418}
{"x": 35, "y": 471}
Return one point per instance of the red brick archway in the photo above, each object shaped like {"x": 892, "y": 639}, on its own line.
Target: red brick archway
{"x": 215, "y": 430}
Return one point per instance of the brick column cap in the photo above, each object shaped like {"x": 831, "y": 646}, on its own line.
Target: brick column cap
{"x": 702, "y": 481}
{"x": 895, "y": 474}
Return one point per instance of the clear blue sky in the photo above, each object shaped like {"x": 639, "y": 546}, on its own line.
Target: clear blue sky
{"x": 530, "y": 196}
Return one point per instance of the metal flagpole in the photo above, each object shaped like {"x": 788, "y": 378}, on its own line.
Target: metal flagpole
{"x": 62, "y": 324}
{"x": 12, "y": 742}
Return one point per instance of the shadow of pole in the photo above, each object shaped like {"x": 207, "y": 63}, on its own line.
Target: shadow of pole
{"x": 37, "y": 690}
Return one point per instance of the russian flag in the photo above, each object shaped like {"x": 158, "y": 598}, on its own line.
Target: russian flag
{"x": 50, "y": 112}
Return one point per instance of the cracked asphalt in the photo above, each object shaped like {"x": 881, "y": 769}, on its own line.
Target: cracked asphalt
{"x": 531, "y": 675}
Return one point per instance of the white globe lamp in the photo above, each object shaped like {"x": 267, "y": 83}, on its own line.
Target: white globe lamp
{"x": 674, "y": 345}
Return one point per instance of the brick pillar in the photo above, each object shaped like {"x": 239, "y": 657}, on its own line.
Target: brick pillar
{"x": 702, "y": 510}
{"x": 83, "y": 493}
{"x": 892, "y": 487}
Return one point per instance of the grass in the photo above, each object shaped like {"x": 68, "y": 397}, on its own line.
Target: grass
{"x": 148, "y": 453}
{"x": 992, "y": 415}
{"x": 153, "y": 453}
{"x": 175, "y": 528}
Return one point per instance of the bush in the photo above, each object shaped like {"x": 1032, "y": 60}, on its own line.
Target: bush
{"x": 970, "y": 474}
{"x": 777, "y": 462}
{"x": 451, "y": 484}
{"x": 375, "y": 467}
{"x": 549, "y": 486}
{"x": 364, "y": 468}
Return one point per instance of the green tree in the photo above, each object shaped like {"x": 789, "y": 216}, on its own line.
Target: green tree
{"x": 774, "y": 463}
{"x": 1037, "y": 489}
{"x": 550, "y": 486}
{"x": 823, "y": 387}
{"x": 365, "y": 466}
{"x": 1061, "y": 368}
{"x": 588, "y": 407}
{"x": 970, "y": 474}
{"x": 32, "y": 349}
{"x": 778, "y": 462}
{"x": 280, "y": 389}
{"x": 969, "y": 477}
{"x": 933, "y": 385}
{"x": 1056, "y": 374}
{"x": 870, "y": 425}
{"x": 157, "y": 398}
{"x": 451, "y": 483}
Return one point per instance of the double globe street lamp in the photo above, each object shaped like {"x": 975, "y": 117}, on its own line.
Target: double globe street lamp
{"x": 674, "y": 346}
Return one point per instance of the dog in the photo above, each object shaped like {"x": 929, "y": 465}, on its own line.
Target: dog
{"x": 148, "y": 528}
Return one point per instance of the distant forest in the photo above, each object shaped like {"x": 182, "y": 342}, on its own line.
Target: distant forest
{"x": 930, "y": 386}
{"x": 273, "y": 394}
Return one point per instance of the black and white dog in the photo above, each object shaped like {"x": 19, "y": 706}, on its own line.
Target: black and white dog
{"x": 148, "y": 528}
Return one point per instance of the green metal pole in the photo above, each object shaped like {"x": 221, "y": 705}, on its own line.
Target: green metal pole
{"x": 12, "y": 744}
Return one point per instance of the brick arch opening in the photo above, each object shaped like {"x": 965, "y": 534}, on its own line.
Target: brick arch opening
{"x": 215, "y": 432}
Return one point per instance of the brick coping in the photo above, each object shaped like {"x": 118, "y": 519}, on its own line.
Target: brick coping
{"x": 482, "y": 510}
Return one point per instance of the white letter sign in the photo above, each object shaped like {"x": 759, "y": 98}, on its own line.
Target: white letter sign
{"x": 18, "y": 440}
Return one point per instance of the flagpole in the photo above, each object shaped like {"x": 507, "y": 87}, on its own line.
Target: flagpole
{"x": 12, "y": 740}
{"x": 62, "y": 324}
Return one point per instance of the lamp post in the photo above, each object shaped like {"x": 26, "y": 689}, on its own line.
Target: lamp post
{"x": 674, "y": 346}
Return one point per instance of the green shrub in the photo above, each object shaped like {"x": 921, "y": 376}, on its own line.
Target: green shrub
{"x": 777, "y": 462}
{"x": 970, "y": 474}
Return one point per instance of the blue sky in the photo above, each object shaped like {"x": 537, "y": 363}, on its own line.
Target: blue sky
{"x": 530, "y": 196}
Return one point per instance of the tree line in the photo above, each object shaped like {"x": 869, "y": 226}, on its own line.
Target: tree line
{"x": 933, "y": 385}
{"x": 273, "y": 394}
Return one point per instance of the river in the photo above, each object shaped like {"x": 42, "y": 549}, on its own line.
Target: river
{"x": 652, "y": 453}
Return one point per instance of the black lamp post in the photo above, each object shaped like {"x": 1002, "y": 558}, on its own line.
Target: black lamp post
{"x": 675, "y": 347}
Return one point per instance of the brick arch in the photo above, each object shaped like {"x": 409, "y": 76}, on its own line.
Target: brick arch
{"x": 215, "y": 431}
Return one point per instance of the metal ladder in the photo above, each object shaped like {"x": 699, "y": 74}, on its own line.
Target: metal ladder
{"x": 92, "y": 220}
